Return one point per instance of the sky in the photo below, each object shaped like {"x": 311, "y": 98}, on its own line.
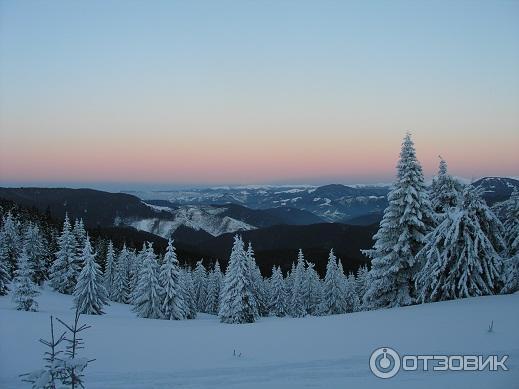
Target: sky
{"x": 249, "y": 92}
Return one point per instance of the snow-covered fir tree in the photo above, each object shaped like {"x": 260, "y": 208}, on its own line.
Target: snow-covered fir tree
{"x": 200, "y": 285}
{"x": 289, "y": 279}
{"x": 25, "y": 290}
{"x": 258, "y": 284}
{"x": 461, "y": 255}
{"x": 90, "y": 295}
{"x": 312, "y": 290}
{"x": 173, "y": 305}
{"x": 297, "y": 303}
{"x": 5, "y": 274}
{"x": 80, "y": 234}
{"x": 511, "y": 226}
{"x": 121, "y": 283}
{"x": 135, "y": 269}
{"x": 110, "y": 268}
{"x": 333, "y": 299}
{"x": 147, "y": 301}
{"x": 66, "y": 266}
{"x": 351, "y": 298}
{"x": 214, "y": 287}
{"x": 445, "y": 190}
{"x": 278, "y": 293}
{"x": 237, "y": 303}
{"x": 362, "y": 283}
{"x": 34, "y": 244}
{"x": 10, "y": 233}
{"x": 406, "y": 221}
{"x": 189, "y": 293}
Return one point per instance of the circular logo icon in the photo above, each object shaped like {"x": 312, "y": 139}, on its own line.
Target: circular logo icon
{"x": 384, "y": 362}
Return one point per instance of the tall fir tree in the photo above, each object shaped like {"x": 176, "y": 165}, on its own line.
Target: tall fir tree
{"x": 5, "y": 274}
{"x": 171, "y": 294}
{"x": 110, "y": 268}
{"x": 25, "y": 290}
{"x": 511, "y": 235}
{"x": 34, "y": 244}
{"x": 461, "y": 256}
{"x": 147, "y": 294}
{"x": 297, "y": 303}
{"x": 214, "y": 287}
{"x": 407, "y": 219}
{"x": 200, "y": 285}
{"x": 80, "y": 234}
{"x": 10, "y": 233}
{"x": 238, "y": 304}
{"x": 312, "y": 290}
{"x": 189, "y": 293}
{"x": 362, "y": 283}
{"x": 278, "y": 294}
{"x": 66, "y": 266}
{"x": 445, "y": 190}
{"x": 333, "y": 299}
{"x": 90, "y": 295}
{"x": 260, "y": 294}
{"x": 138, "y": 260}
{"x": 121, "y": 282}
{"x": 351, "y": 298}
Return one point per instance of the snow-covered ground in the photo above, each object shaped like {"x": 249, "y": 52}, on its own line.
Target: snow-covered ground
{"x": 313, "y": 352}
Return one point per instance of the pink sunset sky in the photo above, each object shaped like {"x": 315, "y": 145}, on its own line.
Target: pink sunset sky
{"x": 245, "y": 93}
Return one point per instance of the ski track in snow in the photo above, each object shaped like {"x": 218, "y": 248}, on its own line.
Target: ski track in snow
{"x": 313, "y": 352}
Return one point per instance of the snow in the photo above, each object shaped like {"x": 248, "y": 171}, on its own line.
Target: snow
{"x": 205, "y": 218}
{"x": 158, "y": 208}
{"x": 316, "y": 352}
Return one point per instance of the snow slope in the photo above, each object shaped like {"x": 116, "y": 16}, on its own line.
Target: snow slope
{"x": 205, "y": 218}
{"x": 313, "y": 352}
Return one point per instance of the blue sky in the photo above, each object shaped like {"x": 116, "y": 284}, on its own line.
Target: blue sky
{"x": 244, "y": 92}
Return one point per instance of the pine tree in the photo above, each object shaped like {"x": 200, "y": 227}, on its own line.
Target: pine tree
{"x": 35, "y": 248}
{"x": 511, "y": 226}
{"x": 237, "y": 304}
{"x": 200, "y": 285}
{"x": 66, "y": 267}
{"x": 189, "y": 293}
{"x": 111, "y": 266}
{"x": 10, "y": 233}
{"x": 215, "y": 280}
{"x": 333, "y": 299}
{"x": 362, "y": 283}
{"x": 407, "y": 219}
{"x": 138, "y": 260}
{"x": 445, "y": 190}
{"x": 80, "y": 234}
{"x": 90, "y": 295}
{"x": 297, "y": 303}
{"x": 172, "y": 297}
{"x": 461, "y": 255}
{"x": 278, "y": 294}
{"x": 351, "y": 297}
{"x": 312, "y": 290}
{"x": 121, "y": 282}
{"x": 5, "y": 275}
{"x": 147, "y": 294}
{"x": 25, "y": 291}
{"x": 260, "y": 294}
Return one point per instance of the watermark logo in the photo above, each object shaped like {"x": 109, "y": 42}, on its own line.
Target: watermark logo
{"x": 385, "y": 362}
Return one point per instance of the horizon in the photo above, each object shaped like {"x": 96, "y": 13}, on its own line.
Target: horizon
{"x": 205, "y": 94}
{"x": 125, "y": 187}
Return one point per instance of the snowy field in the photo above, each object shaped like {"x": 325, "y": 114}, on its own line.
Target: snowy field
{"x": 313, "y": 352}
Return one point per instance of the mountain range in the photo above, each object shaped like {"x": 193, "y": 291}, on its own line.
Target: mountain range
{"x": 277, "y": 220}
